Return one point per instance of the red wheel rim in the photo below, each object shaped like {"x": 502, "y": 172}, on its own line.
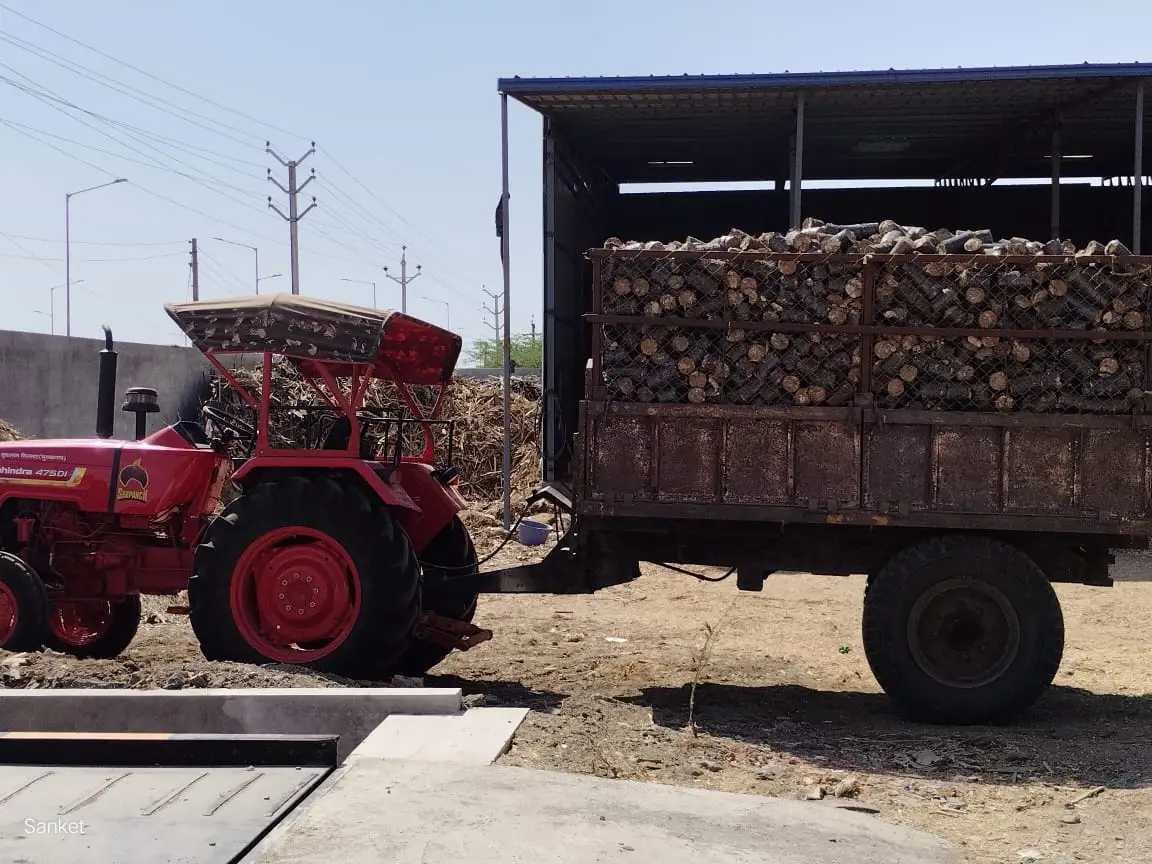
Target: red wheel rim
{"x": 80, "y": 622}
{"x": 8, "y": 613}
{"x": 295, "y": 595}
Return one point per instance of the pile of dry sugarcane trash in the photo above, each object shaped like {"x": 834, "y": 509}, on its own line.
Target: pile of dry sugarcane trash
{"x": 8, "y": 432}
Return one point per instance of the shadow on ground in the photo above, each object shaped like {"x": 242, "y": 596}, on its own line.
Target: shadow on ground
{"x": 1071, "y": 737}
{"x": 507, "y": 693}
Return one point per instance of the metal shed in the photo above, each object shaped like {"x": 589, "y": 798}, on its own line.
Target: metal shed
{"x": 972, "y": 131}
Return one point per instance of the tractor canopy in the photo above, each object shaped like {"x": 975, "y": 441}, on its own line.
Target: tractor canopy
{"x": 394, "y": 345}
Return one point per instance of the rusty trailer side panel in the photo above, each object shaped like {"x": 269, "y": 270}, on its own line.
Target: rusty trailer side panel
{"x": 1077, "y": 474}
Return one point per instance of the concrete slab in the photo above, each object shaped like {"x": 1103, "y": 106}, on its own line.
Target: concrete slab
{"x": 376, "y": 810}
{"x": 53, "y": 815}
{"x": 476, "y": 737}
{"x": 352, "y": 713}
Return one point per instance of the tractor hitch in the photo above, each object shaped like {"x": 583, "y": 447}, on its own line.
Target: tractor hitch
{"x": 450, "y": 632}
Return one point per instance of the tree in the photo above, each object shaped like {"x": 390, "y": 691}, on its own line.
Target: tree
{"x": 527, "y": 352}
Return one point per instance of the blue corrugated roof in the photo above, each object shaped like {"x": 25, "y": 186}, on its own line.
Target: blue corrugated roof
{"x": 933, "y": 123}
{"x": 793, "y": 80}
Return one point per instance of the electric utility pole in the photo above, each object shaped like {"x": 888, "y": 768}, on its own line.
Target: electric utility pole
{"x": 404, "y": 277}
{"x": 195, "y": 272}
{"x": 293, "y": 218}
{"x": 494, "y": 312}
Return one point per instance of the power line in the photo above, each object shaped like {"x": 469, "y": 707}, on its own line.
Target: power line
{"x": 88, "y": 242}
{"x": 172, "y": 142}
{"x": 126, "y": 89}
{"x": 48, "y": 97}
{"x": 161, "y": 197}
{"x": 43, "y": 261}
{"x": 149, "y": 74}
{"x": 148, "y": 164}
{"x": 151, "y": 99}
{"x": 338, "y": 193}
{"x": 440, "y": 254}
{"x": 95, "y": 260}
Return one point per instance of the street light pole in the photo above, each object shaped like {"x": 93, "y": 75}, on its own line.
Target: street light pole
{"x": 364, "y": 282}
{"x": 264, "y": 278}
{"x": 246, "y": 246}
{"x": 447, "y": 310}
{"x": 68, "y": 248}
{"x": 52, "y": 305}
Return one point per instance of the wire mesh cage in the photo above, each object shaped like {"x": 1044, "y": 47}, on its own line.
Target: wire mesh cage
{"x": 1034, "y": 333}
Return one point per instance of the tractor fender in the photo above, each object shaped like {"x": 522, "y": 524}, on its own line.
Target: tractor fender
{"x": 391, "y": 493}
{"x": 436, "y": 503}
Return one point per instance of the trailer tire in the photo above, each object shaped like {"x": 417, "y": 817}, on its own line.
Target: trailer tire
{"x": 94, "y": 629}
{"x": 447, "y": 562}
{"x": 962, "y": 629}
{"x": 355, "y": 561}
{"x": 23, "y": 606}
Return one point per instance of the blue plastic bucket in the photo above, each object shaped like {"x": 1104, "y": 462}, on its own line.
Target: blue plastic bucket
{"x": 533, "y": 533}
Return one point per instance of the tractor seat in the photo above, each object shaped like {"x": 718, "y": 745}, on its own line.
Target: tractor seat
{"x": 341, "y": 433}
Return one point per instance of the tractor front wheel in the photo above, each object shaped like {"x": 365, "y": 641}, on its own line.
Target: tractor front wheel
{"x": 93, "y": 628}
{"x": 448, "y": 565}
{"x": 23, "y": 606}
{"x": 308, "y": 571}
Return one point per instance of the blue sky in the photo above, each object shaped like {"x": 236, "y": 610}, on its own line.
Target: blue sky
{"x": 401, "y": 100}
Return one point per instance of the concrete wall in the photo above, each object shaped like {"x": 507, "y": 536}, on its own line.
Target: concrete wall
{"x": 48, "y": 384}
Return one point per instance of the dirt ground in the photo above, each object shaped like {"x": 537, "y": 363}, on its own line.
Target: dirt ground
{"x": 785, "y": 704}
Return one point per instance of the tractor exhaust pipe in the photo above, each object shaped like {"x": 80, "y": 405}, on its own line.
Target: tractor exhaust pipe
{"x": 106, "y": 394}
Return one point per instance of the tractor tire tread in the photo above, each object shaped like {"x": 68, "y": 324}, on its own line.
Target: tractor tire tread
{"x": 387, "y": 569}
{"x": 441, "y": 561}
{"x": 31, "y": 604}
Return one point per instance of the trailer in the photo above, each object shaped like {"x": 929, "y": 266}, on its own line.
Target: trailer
{"x": 963, "y": 501}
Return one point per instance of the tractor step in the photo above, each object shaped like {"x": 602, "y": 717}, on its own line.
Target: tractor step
{"x": 450, "y": 632}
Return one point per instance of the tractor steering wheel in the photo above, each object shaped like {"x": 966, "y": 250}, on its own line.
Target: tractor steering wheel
{"x": 225, "y": 420}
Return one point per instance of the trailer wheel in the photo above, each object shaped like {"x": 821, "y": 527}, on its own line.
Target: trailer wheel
{"x": 23, "y": 606}
{"x": 447, "y": 562}
{"x": 305, "y": 570}
{"x": 93, "y": 628}
{"x": 962, "y": 629}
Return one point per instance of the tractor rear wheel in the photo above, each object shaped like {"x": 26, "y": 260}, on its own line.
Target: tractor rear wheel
{"x": 93, "y": 628}
{"x": 447, "y": 562}
{"x": 305, "y": 570}
{"x": 23, "y": 606}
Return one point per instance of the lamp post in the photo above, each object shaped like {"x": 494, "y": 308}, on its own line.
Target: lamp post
{"x": 52, "y": 305}
{"x": 262, "y": 278}
{"x": 365, "y": 282}
{"x": 255, "y": 250}
{"x": 68, "y": 248}
{"x": 447, "y": 310}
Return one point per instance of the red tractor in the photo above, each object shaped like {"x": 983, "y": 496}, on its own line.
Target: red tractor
{"x": 346, "y": 556}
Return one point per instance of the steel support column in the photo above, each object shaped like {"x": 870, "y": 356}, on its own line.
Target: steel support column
{"x": 507, "y": 264}
{"x": 1056, "y": 159}
{"x": 797, "y": 163}
{"x": 1138, "y": 173}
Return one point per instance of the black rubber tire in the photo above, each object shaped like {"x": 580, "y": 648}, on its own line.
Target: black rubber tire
{"x": 889, "y": 604}
{"x": 447, "y": 558}
{"x": 31, "y": 604}
{"x": 378, "y": 546}
{"x": 121, "y": 632}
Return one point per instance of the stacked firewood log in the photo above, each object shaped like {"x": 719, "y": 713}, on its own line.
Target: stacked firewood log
{"x": 707, "y": 335}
